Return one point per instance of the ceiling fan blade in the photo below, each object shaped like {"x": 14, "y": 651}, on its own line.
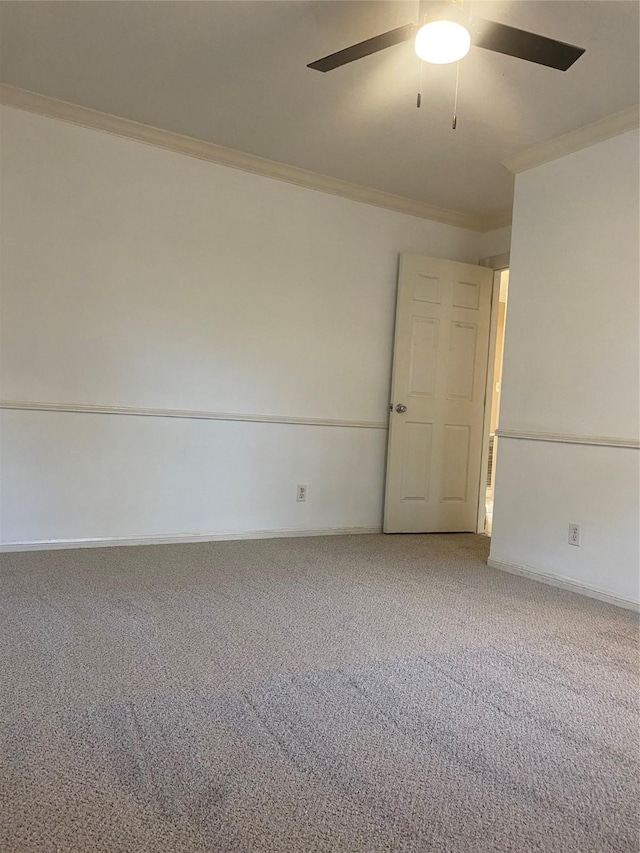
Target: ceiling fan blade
{"x": 524, "y": 45}
{"x": 364, "y": 48}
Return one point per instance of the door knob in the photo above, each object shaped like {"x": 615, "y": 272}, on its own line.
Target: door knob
{"x": 401, "y": 409}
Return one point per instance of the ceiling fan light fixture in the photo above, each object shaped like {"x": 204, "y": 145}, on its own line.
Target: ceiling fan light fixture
{"x": 441, "y": 42}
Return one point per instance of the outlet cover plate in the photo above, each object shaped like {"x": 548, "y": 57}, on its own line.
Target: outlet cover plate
{"x": 575, "y": 534}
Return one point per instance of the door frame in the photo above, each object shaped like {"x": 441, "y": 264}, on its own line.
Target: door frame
{"x": 497, "y": 263}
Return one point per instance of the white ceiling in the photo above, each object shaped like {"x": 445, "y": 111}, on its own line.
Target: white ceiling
{"x": 234, "y": 73}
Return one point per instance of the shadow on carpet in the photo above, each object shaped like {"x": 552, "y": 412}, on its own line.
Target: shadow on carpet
{"x": 499, "y": 748}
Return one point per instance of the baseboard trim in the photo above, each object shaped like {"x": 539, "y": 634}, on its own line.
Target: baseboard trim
{"x": 111, "y": 541}
{"x": 564, "y": 583}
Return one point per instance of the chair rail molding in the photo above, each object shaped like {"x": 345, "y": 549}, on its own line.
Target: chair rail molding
{"x": 570, "y": 438}
{"x": 81, "y": 408}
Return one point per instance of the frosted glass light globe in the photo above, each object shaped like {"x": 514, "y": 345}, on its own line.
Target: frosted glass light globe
{"x": 442, "y": 41}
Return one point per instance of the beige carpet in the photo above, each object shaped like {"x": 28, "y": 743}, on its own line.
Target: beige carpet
{"x": 356, "y": 694}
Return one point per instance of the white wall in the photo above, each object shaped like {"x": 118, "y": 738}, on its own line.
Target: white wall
{"x": 571, "y": 367}
{"x": 135, "y": 277}
{"x": 496, "y": 242}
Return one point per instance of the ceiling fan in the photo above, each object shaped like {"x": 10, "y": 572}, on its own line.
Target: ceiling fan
{"x": 445, "y": 33}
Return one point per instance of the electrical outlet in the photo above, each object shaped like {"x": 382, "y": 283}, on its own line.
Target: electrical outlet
{"x": 575, "y": 533}
{"x": 301, "y": 494}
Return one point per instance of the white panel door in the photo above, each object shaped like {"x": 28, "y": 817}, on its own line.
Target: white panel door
{"x": 438, "y": 396}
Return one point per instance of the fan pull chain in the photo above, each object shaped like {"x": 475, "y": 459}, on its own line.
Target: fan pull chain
{"x": 454, "y": 123}
{"x": 419, "y": 98}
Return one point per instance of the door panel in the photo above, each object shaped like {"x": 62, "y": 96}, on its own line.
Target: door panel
{"x": 424, "y": 354}
{"x": 462, "y": 361}
{"x": 455, "y": 462}
{"x": 439, "y": 374}
{"x": 417, "y": 461}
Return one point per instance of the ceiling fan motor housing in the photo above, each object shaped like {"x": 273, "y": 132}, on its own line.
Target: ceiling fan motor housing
{"x": 444, "y": 10}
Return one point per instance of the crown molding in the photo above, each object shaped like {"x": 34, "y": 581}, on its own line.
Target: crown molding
{"x": 497, "y": 220}
{"x": 575, "y": 140}
{"x": 22, "y": 99}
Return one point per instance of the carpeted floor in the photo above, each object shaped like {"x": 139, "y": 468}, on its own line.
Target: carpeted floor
{"x": 356, "y": 694}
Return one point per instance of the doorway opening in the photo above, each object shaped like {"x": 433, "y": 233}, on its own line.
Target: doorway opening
{"x": 493, "y": 395}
